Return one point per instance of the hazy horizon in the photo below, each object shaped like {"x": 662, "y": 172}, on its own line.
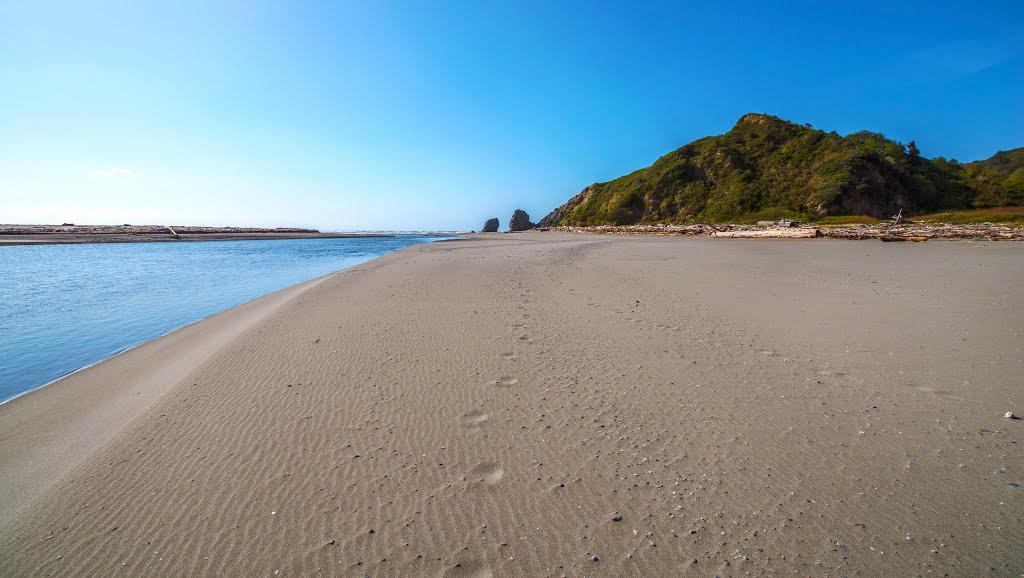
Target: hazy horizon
{"x": 401, "y": 116}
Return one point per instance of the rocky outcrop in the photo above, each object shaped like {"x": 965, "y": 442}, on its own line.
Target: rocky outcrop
{"x": 769, "y": 168}
{"x": 555, "y": 217}
{"x": 520, "y": 221}
{"x": 491, "y": 226}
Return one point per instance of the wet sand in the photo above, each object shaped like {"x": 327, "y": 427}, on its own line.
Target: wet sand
{"x": 547, "y": 404}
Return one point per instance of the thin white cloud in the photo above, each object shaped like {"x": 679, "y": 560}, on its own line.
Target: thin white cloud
{"x": 113, "y": 173}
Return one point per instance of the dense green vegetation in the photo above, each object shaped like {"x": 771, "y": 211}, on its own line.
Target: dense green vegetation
{"x": 769, "y": 168}
{"x": 999, "y": 180}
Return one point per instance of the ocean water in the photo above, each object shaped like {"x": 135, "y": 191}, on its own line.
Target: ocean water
{"x": 63, "y": 307}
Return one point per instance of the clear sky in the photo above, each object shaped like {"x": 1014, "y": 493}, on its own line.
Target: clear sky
{"x": 437, "y": 115}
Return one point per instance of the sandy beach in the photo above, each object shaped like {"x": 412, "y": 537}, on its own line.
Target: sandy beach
{"x": 547, "y": 404}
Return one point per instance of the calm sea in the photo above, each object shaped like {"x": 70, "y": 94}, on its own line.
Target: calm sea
{"x": 63, "y": 307}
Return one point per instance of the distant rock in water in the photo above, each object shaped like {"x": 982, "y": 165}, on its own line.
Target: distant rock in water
{"x": 520, "y": 221}
{"x": 491, "y": 226}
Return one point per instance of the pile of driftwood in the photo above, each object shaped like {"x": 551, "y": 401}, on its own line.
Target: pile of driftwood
{"x": 913, "y": 231}
{"x": 917, "y": 231}
{"x": 686, "y": 230}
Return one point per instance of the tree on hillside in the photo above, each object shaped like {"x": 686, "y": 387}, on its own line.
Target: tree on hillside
{"x": 913, "y": 153}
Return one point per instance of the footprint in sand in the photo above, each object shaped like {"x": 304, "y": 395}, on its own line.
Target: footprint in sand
{"x": 469, "y": 569}
{"x": 475, "y": 419}
{"x": 837, "y": 376}
{"x": 505, "y": 381}
{"x": 937, "y": 392}
{"x": 487, "y": 473}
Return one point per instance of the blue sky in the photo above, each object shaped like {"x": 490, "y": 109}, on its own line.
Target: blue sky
{"x": 437, "y": 115}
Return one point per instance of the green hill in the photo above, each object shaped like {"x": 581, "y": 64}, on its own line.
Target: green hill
{"x": 766, "y": 167}
{"x": 999, "y": 180}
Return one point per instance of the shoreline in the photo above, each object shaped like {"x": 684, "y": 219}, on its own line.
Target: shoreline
{"x": 26, "y": 239}
{"x": 49, "y": 398}
{"x": 190, "y": 323}
{"x": 228, "y": 316}
{"x": 15, "y": 235}
{"x": 489, "y": 405}
{"x": 147, "y": 341}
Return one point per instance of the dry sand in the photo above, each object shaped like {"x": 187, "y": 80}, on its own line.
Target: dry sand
{"x": 494, "y": 405}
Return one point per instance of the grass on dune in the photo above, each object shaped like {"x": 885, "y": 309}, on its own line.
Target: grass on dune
{"x": 840, "y": 220}
{"x": 1001, "y": 215}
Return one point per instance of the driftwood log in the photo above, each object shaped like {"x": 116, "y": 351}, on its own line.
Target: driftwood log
{"x": 770, "y": 233}
{"x": 892, "y": 239}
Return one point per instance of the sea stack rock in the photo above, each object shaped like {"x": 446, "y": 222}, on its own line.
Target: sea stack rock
{"x": 491, "y": 226}
{"x": 520, "y": 221}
